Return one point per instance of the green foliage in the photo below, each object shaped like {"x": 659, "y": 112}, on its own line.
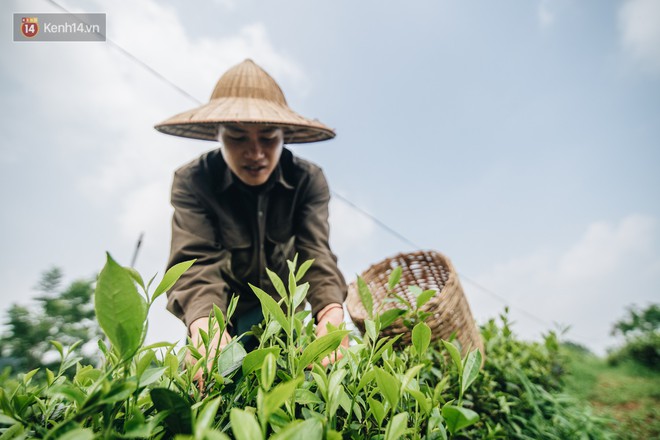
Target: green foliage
{"x": 628, "y": 393}
{"x": 62, "y": 314}
{"x": 641, "y": 329}
{"x": 282, "y": 391}
{"x": 519, "y": 393}
{"x": 120, "y": 309}
{"x": 639, "y": 321}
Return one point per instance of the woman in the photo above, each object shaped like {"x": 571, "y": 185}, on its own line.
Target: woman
{"x": 249, "y": 205}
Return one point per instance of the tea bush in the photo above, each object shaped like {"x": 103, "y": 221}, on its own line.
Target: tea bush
{"x": 280, "y": 390}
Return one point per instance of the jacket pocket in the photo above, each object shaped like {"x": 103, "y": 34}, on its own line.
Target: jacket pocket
{"x": 243, "y": 261}
{"x": 279, "y": 248}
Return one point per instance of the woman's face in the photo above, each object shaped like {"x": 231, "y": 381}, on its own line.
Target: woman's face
{"x": 251, "y": 151}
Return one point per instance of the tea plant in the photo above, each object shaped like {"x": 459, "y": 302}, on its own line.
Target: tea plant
{"x": 281, "y": 390}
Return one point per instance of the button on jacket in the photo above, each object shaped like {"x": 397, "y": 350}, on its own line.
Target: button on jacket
{"x": 236, "y": 231}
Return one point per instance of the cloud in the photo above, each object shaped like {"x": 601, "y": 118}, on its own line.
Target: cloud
{"x": 545, "y": 15}
{"x": 639, "y": 25}
{"x": 586, "y": 286}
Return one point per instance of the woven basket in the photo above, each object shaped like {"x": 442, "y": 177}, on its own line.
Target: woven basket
{"x": 429, "y": 270}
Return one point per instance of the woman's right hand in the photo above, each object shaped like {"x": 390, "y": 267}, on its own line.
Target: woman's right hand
{"x": 195, "y": 327}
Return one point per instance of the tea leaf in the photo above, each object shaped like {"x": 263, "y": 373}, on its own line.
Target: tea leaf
{"x": 394, "y": 278}
{"x": 321, "y": 381}
{"x": 135, "y": 275}
{"x": 292, "y": 285}
{"x": 387, "y": 344}
{"x": 244, "y": 425}
{"x": 146, "y": 359}
{"x": 171, "y": 277}
{"x": 254, "y": 360}
{"x": 320, "y": 348}
{"x": 120, "y": 310}
{"x": 388, "y": 386}
{"x": 231, "y": 307}
{"x": 300, "y": 294}
{"x": 435, "y": 422}
{"x": 278, "y": 395}
{"x": 27, "y": 377}
{"x": 272, "y": 329}
{"x": 119, "y": 391}
{"x": 270, "y": 305}
{"x": 471, "y": 369}
{"x": 179, "y": 416}
{"x": 366, "y": 378}
{"x": 268, "y": 371}
{"x": 370, "y": 328}
{"x": 455, "y": 355}
{"x": 334, "y": 384}
{"x": 424, "y": 297}
{"x": 136, "y": 427}
{"x": 306, "y": 397}
{"x": 421, "y": 399}
{"x": 389, "y": 316}
{"x": 410, "y": 375}
{"x": 151, "y": 375}
{"x": 415, "y": 290}
{"x": 58, "y": 347}
{"x": 421, "y": 337}
{"x": 219, "y": 317}
{"x": 230, "y": 358}
{"x": 302, "y": 270}
{"x": 14, "y": 432}
{"x": 365, "y": 297}
{"x": 206, "y": 417}
{"x": 457, "y": 417}
{"x": 292, "y": 264}
{"x": 310, "y": 429}
{"x": 377, "y": 409}
{"x": 215, "y": 435}
{"x": 277, "y": 283}
{"x": 6, "y": 420}
{"x": 397, "y": 426}
{"x": 72, "y": 394}
{"x": 78, "y": 434}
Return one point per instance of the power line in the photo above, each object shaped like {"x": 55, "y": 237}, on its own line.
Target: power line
{"x": 133, "y": 57}
{"x": 380, "y": 223}
{"x": 416, "y": 246}
{"x": 375, "y": 220}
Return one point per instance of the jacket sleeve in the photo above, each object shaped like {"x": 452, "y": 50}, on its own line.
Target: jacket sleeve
{"x": 327, "y": 284}
{"x": 193, "y": 237}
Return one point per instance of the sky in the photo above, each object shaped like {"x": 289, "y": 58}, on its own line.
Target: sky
{"x": 519, "y": 139}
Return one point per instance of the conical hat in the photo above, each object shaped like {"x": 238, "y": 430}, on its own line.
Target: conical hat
{"x": 245, "y": 94}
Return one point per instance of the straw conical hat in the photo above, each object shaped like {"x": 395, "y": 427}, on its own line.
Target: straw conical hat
{"x": 245, "y": 94}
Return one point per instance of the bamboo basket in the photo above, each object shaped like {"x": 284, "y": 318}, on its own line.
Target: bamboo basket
{"x": 450, "y": 310}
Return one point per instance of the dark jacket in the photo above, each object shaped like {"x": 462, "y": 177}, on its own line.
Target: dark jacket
{"x": 235, "y": 232}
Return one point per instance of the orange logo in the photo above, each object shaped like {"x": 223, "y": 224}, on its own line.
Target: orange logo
{"x": 30, "y": 27}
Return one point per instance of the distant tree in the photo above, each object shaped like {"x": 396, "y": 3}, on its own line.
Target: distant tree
{"x": 64, "y": 315}
{"x": 639, "y": 321}
{"x": 641, "y": 330}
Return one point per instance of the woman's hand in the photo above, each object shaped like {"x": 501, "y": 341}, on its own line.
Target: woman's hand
{"x": 331, "y": 314}
{"x": 195, "y": 327}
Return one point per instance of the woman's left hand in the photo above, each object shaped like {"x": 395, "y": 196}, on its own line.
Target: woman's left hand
{"x": 331, "y": 314}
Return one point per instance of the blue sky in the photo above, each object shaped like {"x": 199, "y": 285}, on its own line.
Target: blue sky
{"x": 521, "y": 139}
